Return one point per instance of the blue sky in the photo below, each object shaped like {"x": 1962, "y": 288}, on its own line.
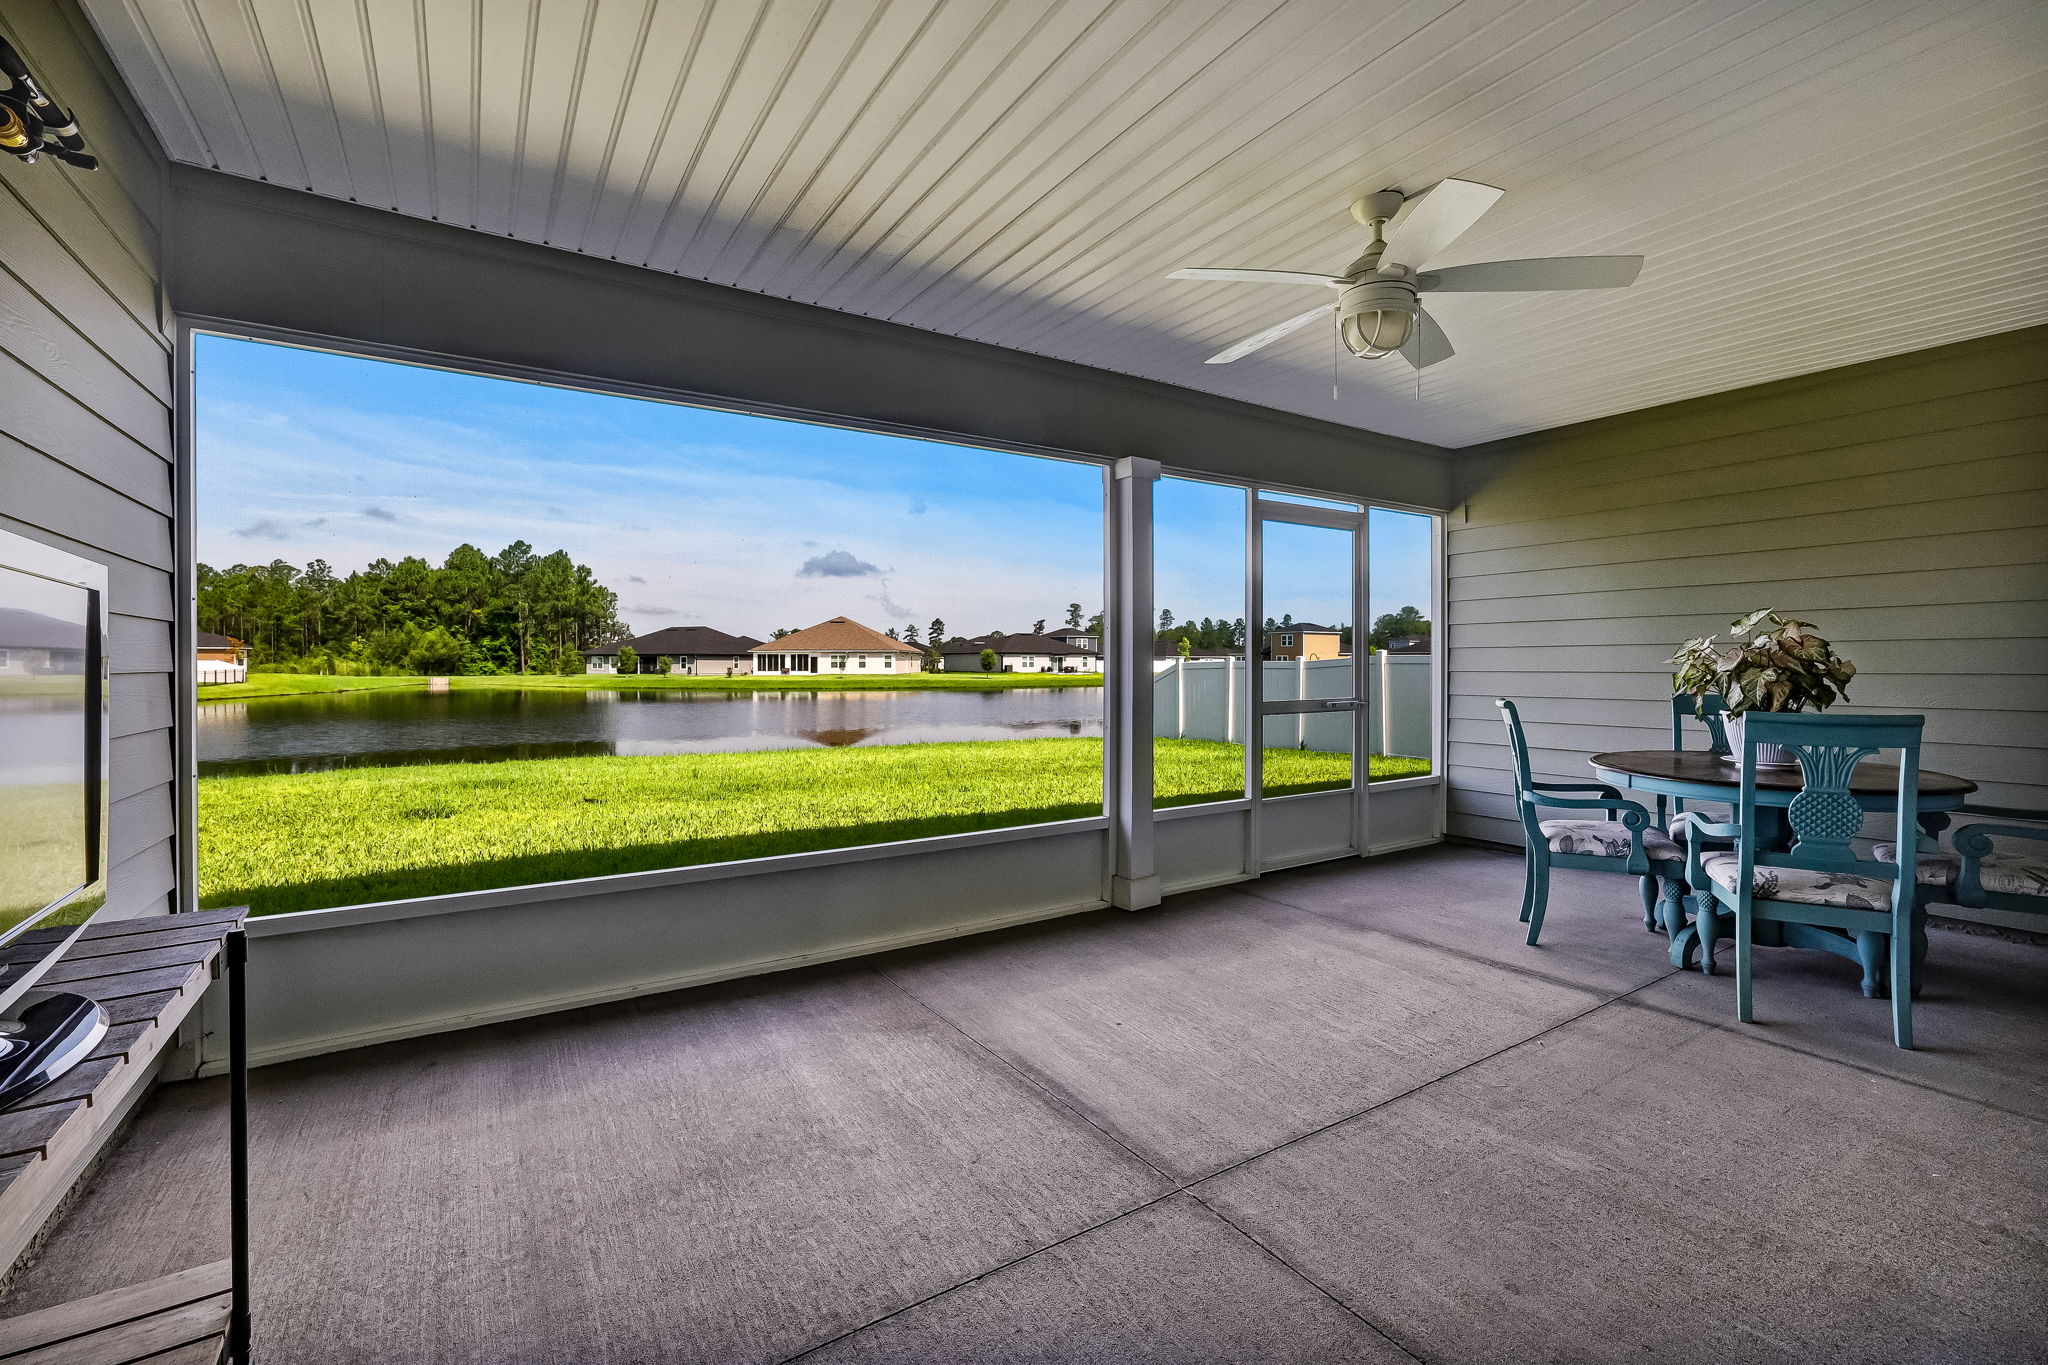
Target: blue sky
{"x": 692, "y": 516}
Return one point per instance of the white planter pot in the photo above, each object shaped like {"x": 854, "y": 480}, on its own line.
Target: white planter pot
{"x": 1767, "y": 755}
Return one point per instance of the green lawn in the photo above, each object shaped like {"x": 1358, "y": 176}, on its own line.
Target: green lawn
{"x": 39, "y": 851}
{"x": 284, "y": 842}
{"x": 298, "y": 684}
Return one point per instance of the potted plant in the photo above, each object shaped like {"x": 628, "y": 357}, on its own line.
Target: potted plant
{"x": 1767, "y": 662}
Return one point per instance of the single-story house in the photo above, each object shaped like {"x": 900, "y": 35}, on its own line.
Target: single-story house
{"x": 840, "y": 645}
{"x": 1020, "y": 653}
{"x": 1301, "y": 640}
{"x": 35, "y": 644}
{"x": 222, "y": 659}
{"x": 698, "y": 651}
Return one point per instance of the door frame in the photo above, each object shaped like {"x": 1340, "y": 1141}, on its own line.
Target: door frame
{"x": 1259, "y": 511}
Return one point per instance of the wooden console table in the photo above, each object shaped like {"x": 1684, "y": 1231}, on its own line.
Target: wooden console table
{"x": 149, "y": 974}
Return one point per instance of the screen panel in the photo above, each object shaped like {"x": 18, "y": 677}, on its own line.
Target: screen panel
{"x": 45, "y": 731}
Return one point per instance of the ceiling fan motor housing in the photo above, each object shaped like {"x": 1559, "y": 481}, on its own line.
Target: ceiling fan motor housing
{"x": 1375, "y": 317}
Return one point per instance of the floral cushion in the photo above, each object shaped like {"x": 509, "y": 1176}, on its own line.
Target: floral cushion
{"x": 2002, "y": 874}
{"x": 1800, "y": 885}
{"x": 1606, "y": 839}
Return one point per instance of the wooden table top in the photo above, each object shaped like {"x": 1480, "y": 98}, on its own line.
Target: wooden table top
{"x": 1710, "y": 769}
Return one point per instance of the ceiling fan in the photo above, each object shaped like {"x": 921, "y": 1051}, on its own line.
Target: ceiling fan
{"x": 1379, "y": 308}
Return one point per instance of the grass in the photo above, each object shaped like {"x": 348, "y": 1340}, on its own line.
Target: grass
{"x": 40, "y": 852}
{"x": 300, "y": 684}
{"x": 284, "y": 842}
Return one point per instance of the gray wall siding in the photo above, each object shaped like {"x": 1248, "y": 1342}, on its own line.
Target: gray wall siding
{"x": 85, "y": 421}
{"x": 259, "y": 253}
{"x": 1899, "y": 505}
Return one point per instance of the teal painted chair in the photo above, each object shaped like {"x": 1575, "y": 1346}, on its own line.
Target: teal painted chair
{"x": 1711, "y": 713}
{"x": 1624, "y": 841}
{"x": 1994, "y": 865}
{"x": 1819, "y": 893}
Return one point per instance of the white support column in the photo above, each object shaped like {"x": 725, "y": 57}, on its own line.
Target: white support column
{"x": 1134, "y": 880}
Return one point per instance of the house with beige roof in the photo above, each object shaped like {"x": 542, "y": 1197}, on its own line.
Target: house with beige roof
{"x": 838, "y": 646}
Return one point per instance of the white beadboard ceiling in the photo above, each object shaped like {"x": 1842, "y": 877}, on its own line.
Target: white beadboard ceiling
{"x": 1813, "y": 182}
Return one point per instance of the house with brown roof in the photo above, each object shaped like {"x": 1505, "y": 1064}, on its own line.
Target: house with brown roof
{"x": 1303, "y": 640}
{"x": 696, "y": 651}
{"x": 1020, "y": 653}
{"x": 838, "y": 646}
{"x": 221, "y": 659}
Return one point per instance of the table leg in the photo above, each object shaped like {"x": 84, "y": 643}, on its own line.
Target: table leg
{"x": 1684, "y": 936}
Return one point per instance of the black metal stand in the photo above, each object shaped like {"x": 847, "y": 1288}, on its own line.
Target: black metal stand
{"x": 236, "y": 955}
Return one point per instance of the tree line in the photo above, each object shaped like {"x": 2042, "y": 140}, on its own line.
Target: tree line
{"x": 512, "y": 612}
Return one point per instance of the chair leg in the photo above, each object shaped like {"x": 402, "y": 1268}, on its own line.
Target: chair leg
{"x": 1902, "y": 988}
{"x": 1706, "y": 920}
{"x": 1539, "y": 896}
{"x": 1528, "y": 883}
{"x": 1647, "y": 886}
{"x": 1743, "y": 929}
{"x": 1919, "y": 948}
{"x": 1870, "y": 952}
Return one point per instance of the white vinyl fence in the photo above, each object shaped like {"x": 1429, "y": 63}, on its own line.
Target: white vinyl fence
{"x": 1205, "y": 699}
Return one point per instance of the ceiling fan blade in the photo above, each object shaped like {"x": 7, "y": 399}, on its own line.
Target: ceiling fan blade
{"x": 1550, "y": 272}
{"x": 1427, "y": 343}
{"x": 1267, "y": 337}
{"x": 1434, "y": 219}
{"x": 1258, "y": 276}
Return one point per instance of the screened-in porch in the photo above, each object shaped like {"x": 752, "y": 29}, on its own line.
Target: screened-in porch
{"x": 850, "y": 737}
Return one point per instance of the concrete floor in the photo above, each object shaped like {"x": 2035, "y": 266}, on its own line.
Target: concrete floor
{"x": 1339, "y": 1114}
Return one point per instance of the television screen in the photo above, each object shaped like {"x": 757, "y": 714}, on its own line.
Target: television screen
{"x": 44, "y": 856}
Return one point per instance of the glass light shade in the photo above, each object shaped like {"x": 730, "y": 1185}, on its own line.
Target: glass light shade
{"x": 1372, "y": 334}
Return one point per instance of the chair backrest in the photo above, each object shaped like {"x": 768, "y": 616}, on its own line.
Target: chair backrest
{"x": 1710, "y": 711}
{"x": 1518, "y": 746}
{"x": 1825, "y": 815}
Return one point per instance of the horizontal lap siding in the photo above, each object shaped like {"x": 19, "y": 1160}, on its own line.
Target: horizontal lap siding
{"x": 85, "y": 429}
{"x": 1901, "y": 505}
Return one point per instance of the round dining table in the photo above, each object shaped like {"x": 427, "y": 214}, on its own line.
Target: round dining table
{"x": 1694, "y": 776}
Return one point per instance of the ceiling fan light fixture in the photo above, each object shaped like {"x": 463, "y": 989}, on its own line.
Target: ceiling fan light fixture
{"x": 1372, "y": 335}
{"x": 1375, "y": 318}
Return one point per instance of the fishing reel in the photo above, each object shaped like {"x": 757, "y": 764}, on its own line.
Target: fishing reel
{"x": 30, "y": 121}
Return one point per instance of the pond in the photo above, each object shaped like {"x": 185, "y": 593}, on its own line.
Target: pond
{"x": 384, "y": 728}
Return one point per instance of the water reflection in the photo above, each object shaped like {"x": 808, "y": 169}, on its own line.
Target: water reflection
{"x": 392, "y": 727}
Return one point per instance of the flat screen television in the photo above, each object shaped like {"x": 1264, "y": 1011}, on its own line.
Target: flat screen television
{"x": 54, "y": 751}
